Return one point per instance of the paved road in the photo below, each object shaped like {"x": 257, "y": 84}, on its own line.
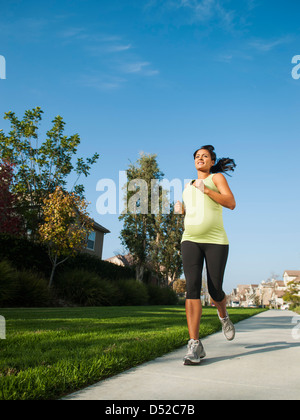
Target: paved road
{"x": 263, "y": 362}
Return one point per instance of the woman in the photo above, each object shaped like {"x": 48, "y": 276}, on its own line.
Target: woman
{"x": 204, "y": 238}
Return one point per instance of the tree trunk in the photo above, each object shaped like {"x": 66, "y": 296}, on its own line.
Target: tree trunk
{"x": 139, "y": 271}
{"x": 54, "y": 265}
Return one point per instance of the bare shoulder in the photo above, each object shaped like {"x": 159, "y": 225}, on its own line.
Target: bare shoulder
{"x": 219, "y": 179}
{"x": 221, "y": 183}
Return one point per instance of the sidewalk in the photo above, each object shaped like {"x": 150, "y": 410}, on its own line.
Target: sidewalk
{"x": 261, "y": 363}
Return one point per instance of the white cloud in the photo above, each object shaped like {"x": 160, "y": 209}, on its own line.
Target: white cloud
{"x": 230, "y": 16}
{"x": 102, "y": 81}
{"x": 114, "y": 54}
{"x": 142, "y": 68}
{"x": 206, "y": 10}
{"x": 119, "y": 48}
{"x": 267, "y": 45}
{"x": 224, "y": 58}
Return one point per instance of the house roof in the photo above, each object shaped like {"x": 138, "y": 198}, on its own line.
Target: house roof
{"x": 100, "y": 228}
{"x": 292, "y": 273}
{"x": 279, "y": 283}
{"x": 124, "y": 260}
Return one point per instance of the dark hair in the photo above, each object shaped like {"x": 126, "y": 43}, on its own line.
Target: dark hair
{"x": 221, "y": 165}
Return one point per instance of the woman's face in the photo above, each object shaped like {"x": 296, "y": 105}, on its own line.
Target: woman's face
{"x": 203, "y": 161}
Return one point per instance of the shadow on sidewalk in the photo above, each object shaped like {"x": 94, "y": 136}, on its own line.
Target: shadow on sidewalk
{"x": 259, "y": 348}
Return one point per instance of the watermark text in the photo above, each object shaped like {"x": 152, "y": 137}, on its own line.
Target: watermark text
{"x": 296, "y": 69}
{"x": 2, "y": 328}
{"x": 296, "y": 329}
{"x": 2, "y": 67}
{"x": 154, "y": 197}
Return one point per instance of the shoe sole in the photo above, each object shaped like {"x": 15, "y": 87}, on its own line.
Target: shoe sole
{"x": 229, "y": 339}
{"x": 188, "y": 362}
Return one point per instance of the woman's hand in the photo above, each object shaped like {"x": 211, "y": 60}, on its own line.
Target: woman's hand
{"x": 200, "y": 185}
{"x": 179, "y": 208}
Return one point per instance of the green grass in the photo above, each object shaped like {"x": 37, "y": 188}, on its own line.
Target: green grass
{"x": 52, "y": 352}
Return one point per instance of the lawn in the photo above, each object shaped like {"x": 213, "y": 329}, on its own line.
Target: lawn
{"x": 52, "y": 352}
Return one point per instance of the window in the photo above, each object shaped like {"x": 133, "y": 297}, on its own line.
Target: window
{"x": 91, "y": 241}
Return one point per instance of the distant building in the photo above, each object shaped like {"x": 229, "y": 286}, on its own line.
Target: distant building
{"x": 291, "y": 275}
{"x": 150, "y": 275}
{"x": 122, "y": 260}
{"x": 268, "y": 293}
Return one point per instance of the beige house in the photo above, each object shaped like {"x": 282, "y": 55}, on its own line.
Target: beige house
{"x": 291, "y": 275}
{"x": 268, "y": 293}
{"x": 128, "y": 261}
{"x": 122, "y": 260}
{"x": 244, "y": 294}
{"x": 96, "y": 240}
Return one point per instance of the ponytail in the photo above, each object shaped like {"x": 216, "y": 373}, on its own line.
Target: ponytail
{"x": 224, "y": 165}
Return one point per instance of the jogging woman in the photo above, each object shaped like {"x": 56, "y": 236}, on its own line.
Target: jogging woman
{"x": 204, "y": 238}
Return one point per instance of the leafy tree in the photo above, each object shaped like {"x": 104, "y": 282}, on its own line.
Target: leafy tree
{"x": 41, "y": 166}
{"x": 10, "y": 220}
{"x": 165, "y": 250}
{"x": 151, "y": 230}
{"x": 292, "y": 293}
{"x": 66, "y": 226}
{"x": 138, "y": 221}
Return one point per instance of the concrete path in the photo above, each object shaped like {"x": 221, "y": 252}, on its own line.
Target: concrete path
{"x": 263, "y": 362}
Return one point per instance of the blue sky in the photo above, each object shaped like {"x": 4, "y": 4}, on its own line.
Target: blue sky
{"x": 166, "y": 77}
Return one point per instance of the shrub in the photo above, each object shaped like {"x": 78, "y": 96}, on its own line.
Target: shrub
{"x": 31, "y": 290}
{"x": 104, "y": 269}
{"x": 86, "y": 288}
{"x": 7, "y": 283}
{"x": 161, "y": 295}
{"x": 133, "y": 293}
{"x": 23, "y": 288}
{"x": 25, "y": 254}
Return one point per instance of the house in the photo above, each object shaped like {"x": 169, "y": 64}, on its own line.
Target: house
{"x": 128, "y": 261}
{"x": 291, "y": 275}
{"x": 96, "y": 240}
{"x": 245, "y": 294}
{"x": 268, "y": 293}
{"x": 122, "y": 260}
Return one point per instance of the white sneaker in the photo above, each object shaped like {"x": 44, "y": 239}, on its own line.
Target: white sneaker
{"x": 228, "y": 328}
{"x": 195, "y": 353}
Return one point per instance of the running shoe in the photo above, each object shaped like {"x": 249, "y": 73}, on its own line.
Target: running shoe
{"x": 228, "y": 328}
{"x": 195, "y": 353}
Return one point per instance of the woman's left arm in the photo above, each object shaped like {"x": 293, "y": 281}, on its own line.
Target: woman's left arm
{"x": 225, "y": 196}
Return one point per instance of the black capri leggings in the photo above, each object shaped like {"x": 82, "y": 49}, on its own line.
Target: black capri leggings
{"x": 193, "y": 256}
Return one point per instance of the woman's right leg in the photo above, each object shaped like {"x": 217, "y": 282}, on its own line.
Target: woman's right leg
{"x": 193, "y": 309}
{"x": 192, "y": 259}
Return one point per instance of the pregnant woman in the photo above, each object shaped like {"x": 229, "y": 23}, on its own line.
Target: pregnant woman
{"x": 205, "y": 239}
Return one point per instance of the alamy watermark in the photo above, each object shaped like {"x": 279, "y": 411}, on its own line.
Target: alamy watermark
{"x": 296, "y": 69}
{"x": 2, "y": 328}
{"x": 296, "y": 329}
{"x": 141, "y": 197}
{"x": 2, "y": 67}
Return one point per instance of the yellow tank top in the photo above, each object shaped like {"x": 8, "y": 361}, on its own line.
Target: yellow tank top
{"x": 203, "y": 222}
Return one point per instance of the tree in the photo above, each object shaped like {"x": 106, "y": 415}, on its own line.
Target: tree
{"x": 66, "y": 226}
{"x": 151, "y": 230}
{"x": 292, "y": 293}
{"x": 10, "y": 220}
{"x": 41, "y": 166}
{"x": 165, "y": 249}
{"x": 138, "y": 218}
